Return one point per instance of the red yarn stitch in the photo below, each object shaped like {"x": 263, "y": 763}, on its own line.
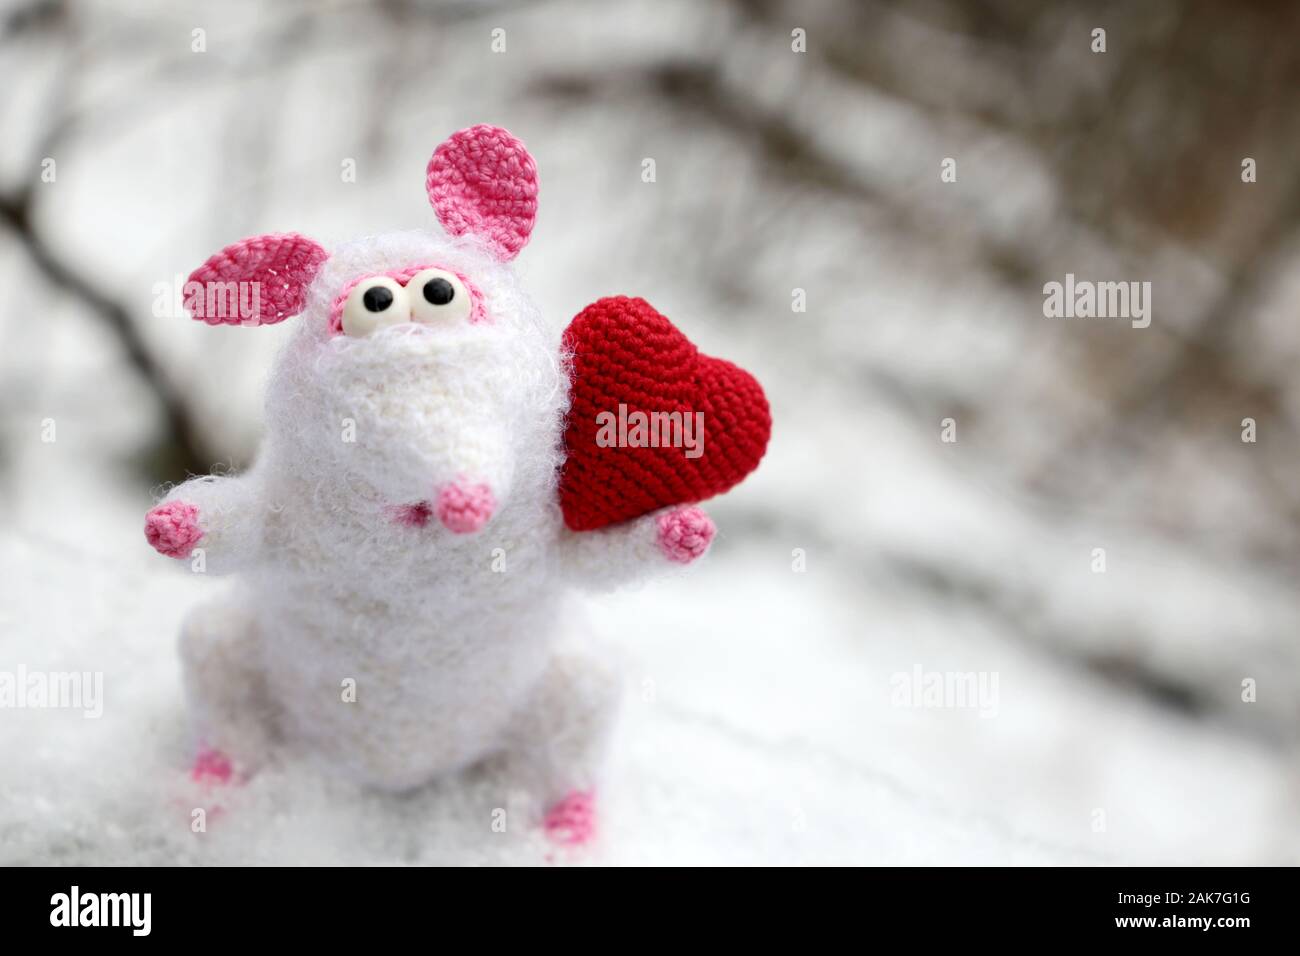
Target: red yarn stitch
{"x": 412, "y": 516}
{"x": 482, "y": 181}
{"x": 625, "y": 352}
{"x": 281, "y": 265}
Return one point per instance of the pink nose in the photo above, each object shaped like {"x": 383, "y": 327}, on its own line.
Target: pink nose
{"x": 464, "y": 508}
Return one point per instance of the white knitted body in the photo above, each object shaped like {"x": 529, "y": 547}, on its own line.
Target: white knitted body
{"x": 455, "y": 644}
{"x": 400, "y": 543}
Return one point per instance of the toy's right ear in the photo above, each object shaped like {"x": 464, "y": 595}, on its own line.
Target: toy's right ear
{"x": 483, "y": 182}
{"x": 257, "y": 281}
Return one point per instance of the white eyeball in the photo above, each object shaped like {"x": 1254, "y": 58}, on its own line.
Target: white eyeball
{"x": 374, "y": 303}
{"x": 439, "y": 297}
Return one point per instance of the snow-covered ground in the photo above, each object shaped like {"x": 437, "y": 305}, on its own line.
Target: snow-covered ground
{"x": 763, "y": 720}
{"x": 760, "y": 726}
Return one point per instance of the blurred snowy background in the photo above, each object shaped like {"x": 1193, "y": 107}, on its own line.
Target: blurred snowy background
{"x": 762, "y": 722}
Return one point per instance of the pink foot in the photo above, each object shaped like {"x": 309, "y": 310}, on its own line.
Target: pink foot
{"x": 173, "y": 529}
{"x": 211, "y": 766}
{"x": 572, "y": 821}
{"x": 464, "y": 508}
{"x": 685, "y": 534}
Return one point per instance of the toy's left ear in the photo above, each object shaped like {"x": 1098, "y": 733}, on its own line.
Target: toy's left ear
{"x": 482, "y": 181}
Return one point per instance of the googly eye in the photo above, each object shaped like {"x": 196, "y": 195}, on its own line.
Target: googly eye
{"x": 374, "y": 303}
{"x": 438, "y": 296}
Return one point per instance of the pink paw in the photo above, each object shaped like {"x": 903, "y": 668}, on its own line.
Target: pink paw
{"x": 685, "y": 534}
{"x": 464, "y": 508}
{"x": 211, "y": 766}
{"x": 572, "y": 821}
{"x": 173, "y": 529}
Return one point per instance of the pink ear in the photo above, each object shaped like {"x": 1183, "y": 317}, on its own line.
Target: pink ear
{"x": 482, "y": 181}
{"x": 257, "y": 281}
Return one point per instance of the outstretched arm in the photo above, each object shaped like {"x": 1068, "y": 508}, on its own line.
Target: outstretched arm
{"x": 618, "y": 554}
{"x": 219, "y": 516}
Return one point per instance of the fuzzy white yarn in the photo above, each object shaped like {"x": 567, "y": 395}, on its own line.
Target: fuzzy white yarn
{"x": 458, "y": 646}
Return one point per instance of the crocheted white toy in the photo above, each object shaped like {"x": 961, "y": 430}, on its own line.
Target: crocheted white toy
{"x": 401, "y": 543}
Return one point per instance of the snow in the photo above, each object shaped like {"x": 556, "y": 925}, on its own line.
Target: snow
{"x": 760, "y": 727}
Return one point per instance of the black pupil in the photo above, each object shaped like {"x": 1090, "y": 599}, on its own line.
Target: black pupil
{"x": 377, "y": 299}
{"x": 439, "y": 291}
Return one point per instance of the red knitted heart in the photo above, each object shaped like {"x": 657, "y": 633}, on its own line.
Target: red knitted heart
{"x": 627, "y": 354}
